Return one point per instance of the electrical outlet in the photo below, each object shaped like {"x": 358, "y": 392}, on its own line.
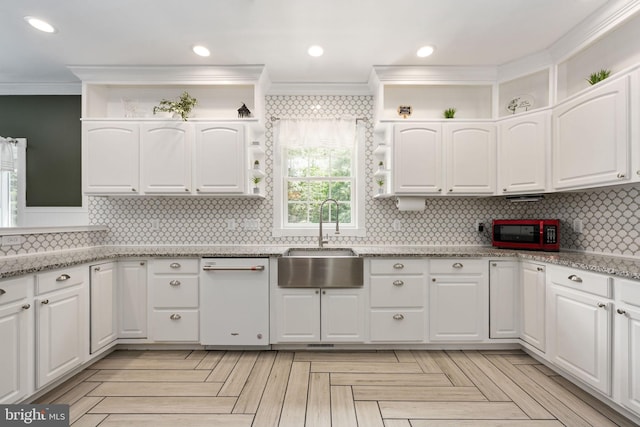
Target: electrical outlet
{"x": 397, "y": 225}
{"x": 479, "y": 226}
{"x": 155, "y": 224}
{"x": 577, "y": 226}
{"x": 13, "y": 240}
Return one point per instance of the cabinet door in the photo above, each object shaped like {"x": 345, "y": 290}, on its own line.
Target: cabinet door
{"x": 504, "y": 299}
{"x": 103, "y": 306}
{"x": 591, "y": 137}
{"x": 627, "y": 351}
{"x": 533, "y": 305}
{"x": 132, "y": 299}
{"x": 470, "y": 153}
{"x": 166, "y": 157}
{"x": 298, "y": 315}
{"x": 417, "y": 159}
{"x": 61, "y": 344}
{"x": 342, "y": 315}
{"x": 220, "y": 159}
{"x": 110, "y": 158}
{"x": 579, "y": 332}
{"x": 15, "y": 330}
{"x": 458, "y": 308}
{"x": 523, "y": 153}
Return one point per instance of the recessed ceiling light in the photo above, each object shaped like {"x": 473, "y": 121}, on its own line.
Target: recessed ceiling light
{"x": 39, "y": 24}
{"x": 316, "y": 50}
{"x": 201, "y": 51}
{"x": 425, "y": 51}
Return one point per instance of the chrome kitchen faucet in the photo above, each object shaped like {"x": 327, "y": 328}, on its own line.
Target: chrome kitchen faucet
{"x": 322, "y": 241}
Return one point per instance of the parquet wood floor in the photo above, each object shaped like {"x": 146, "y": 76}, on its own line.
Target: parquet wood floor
{"x": 326, "y": 389}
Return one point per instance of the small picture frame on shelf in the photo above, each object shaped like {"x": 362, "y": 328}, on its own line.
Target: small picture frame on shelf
{"x": 405, "y": 111}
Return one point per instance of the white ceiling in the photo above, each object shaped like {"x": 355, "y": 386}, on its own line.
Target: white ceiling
{"x": 355, "y": 34}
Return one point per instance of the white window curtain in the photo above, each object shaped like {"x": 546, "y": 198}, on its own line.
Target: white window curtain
{"x": 7, "y": 154}
{"x": 315, "y": 133}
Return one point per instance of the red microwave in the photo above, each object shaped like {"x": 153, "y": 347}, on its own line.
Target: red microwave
{"x": 532, "y": 234}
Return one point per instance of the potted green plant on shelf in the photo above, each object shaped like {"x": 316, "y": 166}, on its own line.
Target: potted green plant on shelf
{"x": 449, "y": 113}
{"x": 256, "y": 164}
{"x": 182, "y": 106}
{"x": 380, "y": 183}
{"x": 256, "y": 181}
{"x": 598, "y": 76}
{"x": 380, "y": 165}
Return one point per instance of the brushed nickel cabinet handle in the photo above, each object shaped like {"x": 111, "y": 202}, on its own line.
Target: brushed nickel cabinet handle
{"x": 620, "y": 175}
{"x": 2, "y": 292}
{"x": 142, "y": 263}
{"x": 398, "y": 317}
{"x": 602, "y": 305}
{"x": 398, "y": 266}
{"x": 175, "y": 283}
{"x": 26, "y": 306}
{"x": 96, "y": 269}
{"x": 175, "y": 317}
{"x": 540, "y": 269}
{"x": 186, "y": 189}
{"x": 494, "y": 264}
{"x": 621, "y": 311}
{"x": 46, "y": 301}
{"x": 575, "y": 278}
{"x": 133, "y": 189}
{"x": 63, "y": 277}
{"x": 175, "y": 265}
{"x": 398, "y": 283}
{"x": 457, "y": 265}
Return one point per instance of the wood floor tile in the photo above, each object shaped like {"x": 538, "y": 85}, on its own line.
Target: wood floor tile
{"x": 490, "y": 390}
{"x": 451, "y": 370}
{"x": 546, "y": 370}
{"x": 197, "y": 355}
{"x": 268, "y": 413}
{"x": 371, "y": 367}
{"x": 427, "y": 394}
{"x": 424, "y": 380}
{"x": 396, "y": 423}
{"x": 210, "y": 360}
{"x": 81, "y": 407}
{"x": 252, "y": 392}
{"x": 294, "y": 408}
{"x": 486, "y": 423}
{"x": 368, "y": 414}
{"x": 121, "y": 363}
{"x": 66, "y": 386}
{"x": 76, "y": 393}
{"x": 345, "y": 356}
{"x": 426, "y": 362}
{"x": 135, "y": 375}
{"x": 164, "y": 405}
{"x": 124, "y": 389}
{"x": 343, "y": 411}
{"x": 530, "y": 406}
{"x": 520, "y": 359}
{"x": 452, "y": 410}
{"x": 224, "y": 367}
{"x": 513, "y": 351}
{"x": 238, "y": 377}
{"x": 180, "y": 420}
{"x": 405, "y": 356}
{"x": 89, "y": 420}
{"x": 319, "y": 401}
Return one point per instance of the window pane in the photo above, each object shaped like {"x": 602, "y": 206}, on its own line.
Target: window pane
{"x": 341, "y": 191}
{"x": 341, "y": 163}
{"x": 297, "y": 190}
{"x": 318, "y": 190}
{"x": 297, "y": 164}
{"x": 345, "y": 213}
{"x": 298, "y": 213}
{"x": 319, "y": 162}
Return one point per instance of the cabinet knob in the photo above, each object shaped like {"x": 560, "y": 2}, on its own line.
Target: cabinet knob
{"x": 440, "y": 189}
{"x": 602, "y": 305}
{"x": 142, "y": 263}
{"x": 398, "y": 283}
{"x": 638, "y": 172}
{"x": 324, "y": 292}
{"x": 197, "y": 189}
{"x": 493, "y": 264}
{"x": 96, "y": 269}
{"x": 63, "y": 277}
{"x": 398, "y": 266}
{"x": 175, "y": 265}
{"x": 186, "y": 189}
{"x": 2, "y": 292}
{"x": 540, "y": 269}
{"x": 450, "y": 190}
{"x": 317, "y": 292}
{"x": 620, "y": 175}
{"x": 133, "y": 189}
{"x": 575, "y": 278}
{"x": 621, "y": 311}
{"x": 175, "y": 283}
{"x": 45, "y": 301}
{"x": 457, "y": 265}
{"x": 433, "y": 280}
{"x": 26, "y": 306}
{"x": 175, "y": 317}
{"x": 259, "y": 336}
{"x": 504, "y": 190}
{"x": 398, "y": 317}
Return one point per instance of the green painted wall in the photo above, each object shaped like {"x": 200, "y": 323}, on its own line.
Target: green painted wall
{"x": 51, "y": 124}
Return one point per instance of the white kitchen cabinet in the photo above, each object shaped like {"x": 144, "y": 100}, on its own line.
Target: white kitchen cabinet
{"x": 165, "y": 150}
{"x": 417, "y": 158}
{"x": 470, "y": 158}
{"x": 522, "y": 153}
{"x": 132, "y": 299}
{"x": 579, "y": 328}
{"x": 220, "y": 158}
{"x": 62, "y": 321}
{"x": 110, "y": 157}
{"x": 627, "y": 342}
{"x": 591, "y": 137}
{"x": 103, "y": 300}
{"x": 16, "y": 335}
{"x": 532, "y": 304}
{"x": 342, "y": 315}
{"x": 174, "y": 300}
{"x": 504, "y": 299}
{"x": 458, "y": 300}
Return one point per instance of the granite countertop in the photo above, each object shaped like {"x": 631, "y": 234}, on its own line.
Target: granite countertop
{"x": 12, "y": 266}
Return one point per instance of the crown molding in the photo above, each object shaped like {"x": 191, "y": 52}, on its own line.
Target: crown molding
{"x": 40, "y": 88}
{"x": 524, "y": 66}
{"x": 319, "y": 89}
{"x": 434, "y": 74}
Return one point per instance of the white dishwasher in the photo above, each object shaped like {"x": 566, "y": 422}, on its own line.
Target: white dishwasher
{"x": 234, "y": 301}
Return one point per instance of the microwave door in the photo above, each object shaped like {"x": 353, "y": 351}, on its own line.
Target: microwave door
{"x": 519, "y": 233}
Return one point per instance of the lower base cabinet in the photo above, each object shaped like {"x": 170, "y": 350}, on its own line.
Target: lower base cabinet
{"x": 533, "y": 303}
{"x": 103, "y": 300}
{"x": 132, "y": 299}
{"x": 627, "y": 343}
{"x": 504, "y": 299}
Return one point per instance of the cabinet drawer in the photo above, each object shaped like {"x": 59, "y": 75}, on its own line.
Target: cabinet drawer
{"x": 60, "y": 279}
{"x": 398, "y": 266}
{"x": 173, "y": 266}
{"x": 627, "y": 291}
{"x": 458, "y": 266}
{"x": 175, "y": 291}
{"x": 397, "y": 325}
{"x": 398, "y": 291}
{"x": 15, "y": 289}
{"x": 175, "y": 325}
{"x": 581, "y": 280}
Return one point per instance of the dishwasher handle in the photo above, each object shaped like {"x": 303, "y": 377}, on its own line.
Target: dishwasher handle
{"x": 229, "y": 268}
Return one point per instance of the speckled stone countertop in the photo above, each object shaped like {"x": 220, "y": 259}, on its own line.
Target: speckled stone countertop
{"x": 11, "y": 266}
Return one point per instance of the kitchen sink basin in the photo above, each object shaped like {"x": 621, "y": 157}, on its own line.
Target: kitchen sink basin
{"x": 320, "y": 268}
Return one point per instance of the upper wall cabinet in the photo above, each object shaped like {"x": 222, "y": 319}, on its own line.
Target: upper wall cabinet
{"x": 165, "y": 150}
{"x": 220, "y": 159}
{"x": 591, "y": 137}
{"x": 417, "y": 158}
{"x": 470, "y": 158}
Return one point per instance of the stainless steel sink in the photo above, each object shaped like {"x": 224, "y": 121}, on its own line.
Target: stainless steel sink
{"x": 320, "y": 268}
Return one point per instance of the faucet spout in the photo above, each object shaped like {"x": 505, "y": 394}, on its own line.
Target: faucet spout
{"x": 321, "y": 240}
